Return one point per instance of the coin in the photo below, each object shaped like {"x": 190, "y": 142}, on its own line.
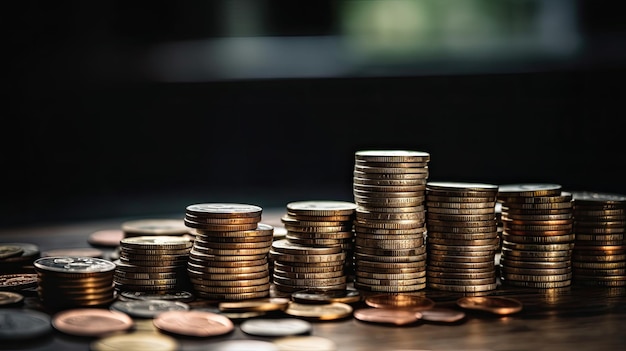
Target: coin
{"x": 316, "y": 296}
{"x": 106, "y": 237}
{"x": 193, "y": 323}
{"x": 8, "y": 298}
{"x": 18, "y": 281}
{"x": 148, "y": 308}
{"x": 158, "y": 226}
{"x": 276, "y": 327}
{"x": 29, "y": 252}
{"x": 23, "y": 324}
{"x": 441, "y": 314}
{"x": 7, "y": 251}
{"x": 387, "y": 315}
{"x": 83, "y": 252}
{"x": 255, "y": 305}
{"x": 137, "y": 341}
{"x": 224, "y": 210}
{"x": 493, "y": 304}
{"x": 331, "y": 311}
{"x": 400, "y": 301}
{"x": 305, "y": 343}
{"x": 244, "y": 345}
{"x": 529, "y": 189}
{"x": 73, "y": 265}
{"x": 93, "y": 322}
{"x": 392, "y": 156}
{"x": 182, "y": 296}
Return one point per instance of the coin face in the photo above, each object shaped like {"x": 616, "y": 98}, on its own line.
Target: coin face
{"x": 275, "y": 326}
{"x": 95, "y": 322}
{"x": 305, "y": 343}
{"x": 193, "y": 323}
{"x": 148, "y": 308}
{"x": 494, "y": 304}
{"x": 139, "y": 341}
{"x": 230, "y": 209}
{"x": 18, "y": 281}
{"x": 8, "y": 298}
{"x": 593, "y": 197}
{"x": 387, "y": 315}
{"x": 29, "y": 251}
{"x": 182, "y": 296}
{"x": 400, "y": 301}
{"x": 316, "y": 296}
{"x": 18, "y": 324}
{"x": 10, "y": 251}
{"x": 74, "y": 264}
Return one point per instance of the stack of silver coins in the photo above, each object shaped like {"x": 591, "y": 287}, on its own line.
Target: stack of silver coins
{"x": 321, "y": 224}
{"x": 152, "y": 263}
{"x": 229, "y": 257}
{"x": 599, "y": 256}
{"x": 537, "y": 239}
{"x": 389, "y": 188}
{"x": 462, "y": 236}
{"x": 67, "y": 282}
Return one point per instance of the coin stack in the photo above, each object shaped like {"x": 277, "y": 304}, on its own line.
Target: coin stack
{"x": 599, "y": 256}
{"x": 67, "y": 282}
{"x": 320, "y": 224}
{"x": 462, "y": 236}
{"x": 389, "y": 188}
{"x": 537, "y": 238}
{"x": 154, "y": 263}
{"x": 228, "y": 260}
{"x": 159, "y": 227}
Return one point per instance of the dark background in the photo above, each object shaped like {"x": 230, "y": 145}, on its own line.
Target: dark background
{"x": 90, "y": 133}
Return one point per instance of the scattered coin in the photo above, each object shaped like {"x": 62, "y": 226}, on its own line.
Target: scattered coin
{"x": 400, "y": 301}
{"x": 148, "y": 308}
{"x": 9, "y": 298}
{"x": 193, "y": 323}
{"x": 387, "y": 315}
{"x": 494, "y": 304}
{"x": 94, "y": 322}
{"x": 7, "y": 251}
{"x": 441, "y": 314}
{"x": 137, "y": 341}
{"x": 331, "y": 311}
{"x": 305, "y": 343}
{"x": 18, "y": 324}
{"x": 82, "y": 252}
{"x": 106, "y": 237}
{"x": 315, "y": 296}
{"x": 254, "y": 305}
{"x": 275, "y": 326}
{"x": 244, "y": 345}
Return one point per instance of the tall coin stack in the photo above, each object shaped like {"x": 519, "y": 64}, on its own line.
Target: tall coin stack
{"x": 154, "y": 263}
{"x": 599, "y": 256}
{"x": 68, "y": 282}
{"x": 389, "y": 187}
{"x": 314, "y": 228}
{"x": 462, "y": 236}
{"x": 537, "y": 237}
{"x": 229, "y": 257}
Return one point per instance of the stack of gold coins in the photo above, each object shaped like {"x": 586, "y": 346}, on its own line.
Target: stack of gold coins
{"x": 301, "y": 267}
{"x": 537, "y": 240}
{"x": 153, "y": 263}
{"x": 67, "y": 282}
{"x": 599, "y": 256}
{"x": 322, "y": 223}
{"x": 462, "y": 237}
{"x": 158, "y": 227}
{"x": 228, "y": 260}
{"x": 389, "y": 187}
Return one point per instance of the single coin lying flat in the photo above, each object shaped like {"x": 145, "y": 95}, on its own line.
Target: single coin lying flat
{"x": 494, "y": 304}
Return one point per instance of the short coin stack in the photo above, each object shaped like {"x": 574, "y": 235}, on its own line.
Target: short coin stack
{"x": 537, "y": 237}
{"x": 599, "y": 256}
{"x": 152, "y": 263}
{"x": 462, "y": 237}
{"x": 320, "y": 224}
{"x": 389, "y": 188}
{"x": 229, "y": 257}
{"x": 67, "y": 282}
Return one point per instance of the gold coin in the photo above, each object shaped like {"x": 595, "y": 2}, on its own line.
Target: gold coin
{"x": 389, "y": 288}
{"x": 307, "y": 342}
{"x": 528, "y": 189}
{"x": 9, "y": 298}
{"x": 400, "y": 301}
{"x": 387, "y": 316}
{"x": 323, "y": 312}
{"x": 493, "y": 304}
{"x": 255, "y": 305}
{"x": 286, "y": 247}
{"x": 316, "y": 296}
{"x": 139, "y": 341}
{"x": 307, "y": 275}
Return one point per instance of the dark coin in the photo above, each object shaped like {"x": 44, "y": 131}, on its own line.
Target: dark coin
{"x": 16, "y": 324}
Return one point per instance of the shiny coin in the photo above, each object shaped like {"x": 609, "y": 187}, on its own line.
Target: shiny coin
{"x": 331, "y": 311}
{"x": 322, "y": 208}
{"x": 77, "y": 252}
{"x": 73, "y": 265}
{"x": 387, "y": 316}
{"x": 305, "y": 343}
{"x": 91, "y": 321}
{"x": 106, "y": 237}
{"x": 316, "y": 296}
{"x": 493, "y": 304}
{"x": 530, "y": 189}
{"x": 244, "y": 345}
{"x": 18, "y": 324}
{"x": 193, "y": 323}
{"x": 255, "y": 305}
{"x": 8, "y": 298}
{"x": 174, "y": 227}
{"x": 17, "y": 281}
{"x": 400, "y": 301}
{"x": 7, "y": 251}
{"x": 29, "y": 252}
{"x": 276, "y": 327}
{"x": 224, "y": 210}
{"x": 392, "y": 156}
{"x": 137, "y": 341}
{"x": 443, "y": 315}
{"x": 148, "y": 308}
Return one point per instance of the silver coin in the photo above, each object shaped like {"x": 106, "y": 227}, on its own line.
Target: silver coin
{"x": 276, "y": 327}
{"x": 148, "y": 308}
{"x": 16, "y": 324}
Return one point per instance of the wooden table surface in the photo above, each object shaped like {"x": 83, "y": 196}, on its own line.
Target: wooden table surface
{"x": 580, "y": 318}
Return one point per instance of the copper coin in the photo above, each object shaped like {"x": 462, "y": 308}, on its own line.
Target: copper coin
{"x": 79, "y": 252}
{"x": 18, "y": 281}
{"x": 91, "y": 321}
{"x": 305, "y": 343}
{"x": 106, "y": 237}
{"x": 387, "y": 315}
{"x": 494, "y": 304}
{"x": 135, "y": 341}
{"x": 404, "y": 301}
{"x": 193, "y": 323}
{"x": 239, "y": 345}
{"x": 441, "y": 314}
